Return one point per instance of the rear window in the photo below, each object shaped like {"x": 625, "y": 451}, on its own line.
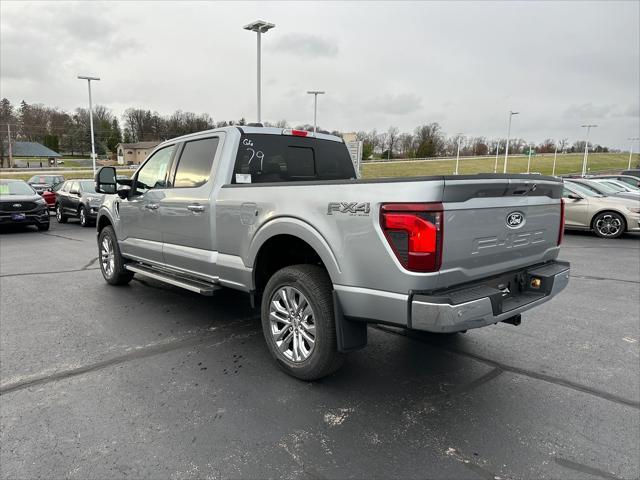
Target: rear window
{"x": 195, "y": 163}
{"x": 280, "y": 158}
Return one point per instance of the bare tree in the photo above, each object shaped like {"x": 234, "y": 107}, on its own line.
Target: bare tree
{"x": 392, "y": 138}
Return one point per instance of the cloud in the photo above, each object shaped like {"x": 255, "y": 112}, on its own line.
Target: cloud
{"x": 396, "y": 104}
{"x": 304, "y": 45}
{"x": 588, "y": 111}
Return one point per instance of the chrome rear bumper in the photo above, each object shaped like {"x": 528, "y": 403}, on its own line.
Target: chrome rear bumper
{"x": 487, "y": 302}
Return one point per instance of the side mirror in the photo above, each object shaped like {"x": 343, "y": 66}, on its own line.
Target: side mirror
{"x": 74, "y": 192}
{"x": 106, "y": 180}
{"x": 573, "y": 196}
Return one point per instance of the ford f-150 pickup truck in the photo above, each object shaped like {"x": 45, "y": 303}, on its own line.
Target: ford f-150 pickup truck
{"x": 281, "y": 215}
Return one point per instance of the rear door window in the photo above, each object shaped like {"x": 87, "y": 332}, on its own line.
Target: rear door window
{"x": 264, "y": 158}
{"x": 196, "y": 160}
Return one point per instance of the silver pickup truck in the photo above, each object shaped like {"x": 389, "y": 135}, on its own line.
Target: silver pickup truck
{"x": 281, "y": 215}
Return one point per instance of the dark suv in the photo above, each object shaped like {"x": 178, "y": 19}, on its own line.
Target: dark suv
{"x": 21, "y": 205}
{"x": 78, "y": 199}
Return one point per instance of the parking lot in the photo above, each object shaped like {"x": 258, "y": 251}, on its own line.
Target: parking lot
{"x": 151, "y": 381}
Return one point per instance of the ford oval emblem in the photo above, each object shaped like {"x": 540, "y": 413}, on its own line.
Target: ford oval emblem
{"x": 16, "y": 205}
{"x": 515, "y": 219}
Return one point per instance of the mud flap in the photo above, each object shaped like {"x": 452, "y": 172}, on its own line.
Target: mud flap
{"x": 350, "y": 335}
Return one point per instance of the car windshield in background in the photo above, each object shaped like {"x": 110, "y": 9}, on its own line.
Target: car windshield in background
{"x": 281, "y": 158}
{"x": 87, "y": 185}
{"x": 600, "y": 187}
{"x": 611, "y": 185}
{"x": 16, "y": 188}
{"x": 584, "y": 190}
{"x": 48, "y": 179}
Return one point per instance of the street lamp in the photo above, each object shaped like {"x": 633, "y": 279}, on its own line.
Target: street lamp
{"x": 495, "y": 167}
{"x": 506, "y": 152}
{"x": 529, "y": 161}
{"x": 586, "y": 148}
{"x": 555, "y": 156}
{"x": 632, "y": 139}
{"x": 260, "y": 27}
{"x": 458, "y": 154}
{"x": 93, "y": 146}
{"x": 315, "y": 94}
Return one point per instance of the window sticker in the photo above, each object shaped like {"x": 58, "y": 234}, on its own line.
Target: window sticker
{"x": 243, "y": 178}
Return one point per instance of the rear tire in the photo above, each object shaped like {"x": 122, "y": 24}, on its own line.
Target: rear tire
{"x": 609, "y": 225}
{"x": 110, "y": 258}
{"x": 298, "y": 322}
{"x": 60, "y": 217}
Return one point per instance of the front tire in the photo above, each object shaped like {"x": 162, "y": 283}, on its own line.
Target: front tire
{"x": 43, "y": 227}
{"x": 60, "y": 217}
{"x": 609, "y": 225}
{"x": 84, "y": 217}
{"x": 110, "y": 258}
{"x": 298, "y": 322}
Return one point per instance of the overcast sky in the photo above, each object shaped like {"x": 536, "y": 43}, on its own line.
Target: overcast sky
{"x": 464, "y": 65}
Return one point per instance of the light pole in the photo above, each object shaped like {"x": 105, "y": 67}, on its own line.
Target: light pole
{"x": 529, "y": 161}
{"x": 260, "y": 27}
{"x": 586, "y": 148}
{"x": 93, "y": 145}
{"x": 633, "y": 139}
{"x": 555, "y": 156}
{"x": 315, "y": 94}
{"x": 506, "y": 152}
{"x": 495, "y": 167}
{"x": 458, "y": 154}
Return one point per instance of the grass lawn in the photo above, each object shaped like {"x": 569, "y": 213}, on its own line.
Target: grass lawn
{"x": 568, "y": 163}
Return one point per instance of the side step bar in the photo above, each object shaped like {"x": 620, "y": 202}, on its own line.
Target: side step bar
{"x": 187, "y": 283}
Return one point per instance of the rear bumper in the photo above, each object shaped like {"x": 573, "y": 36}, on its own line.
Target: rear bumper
{"x": 487, "y": 302}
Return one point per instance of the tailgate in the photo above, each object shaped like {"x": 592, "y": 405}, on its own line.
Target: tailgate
{"x": 494, "y": 224}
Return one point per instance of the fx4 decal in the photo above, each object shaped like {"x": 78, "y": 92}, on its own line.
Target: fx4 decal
{"x": 350, "y": 208}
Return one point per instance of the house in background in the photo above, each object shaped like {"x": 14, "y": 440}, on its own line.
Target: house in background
{"x": 30, "y": 153}
{"x": 134, "y": 153}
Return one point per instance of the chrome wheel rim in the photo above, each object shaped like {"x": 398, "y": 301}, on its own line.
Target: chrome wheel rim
{"x": 58, "y": 213}
{"x": 83, "y": 219}
{"x": 608, "y": 225}
{"x": 107, "y": 257}
{"x": 292, "y": 324}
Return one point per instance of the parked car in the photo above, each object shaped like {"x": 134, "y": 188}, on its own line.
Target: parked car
{"x": 608, "y": 217}
{"x": 49, "y": 197}
{"x": 618, "y": 185}
{"x": 632, "y": 180}
{"x": 603, "y": 188}
{"x": 281, "y": 215}
{"x": 78, "y": 199}
{"x": 40, "y": 183}
{"x": 21, "y": 205}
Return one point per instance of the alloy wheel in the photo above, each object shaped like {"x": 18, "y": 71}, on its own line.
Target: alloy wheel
{"x": 107, "y": 257}
{"x": 608, "y": 225}
{"x": 292, "y": 323}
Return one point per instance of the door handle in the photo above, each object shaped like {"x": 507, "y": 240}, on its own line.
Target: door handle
{"x": 151, "y": 206}
{"x": 195, "y": 208}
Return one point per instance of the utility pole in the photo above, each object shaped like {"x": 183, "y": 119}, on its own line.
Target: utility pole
{"x": 555, "y": 156}
{"x": 506, "y": 152}
{"x": 260, "y": 27}
{"x": 93, "y": 145}
{"x": 495, "y": 167}
{"x": 586, "y": 148}
{"x": 11, "y": 151}
{"x": 315, "y": 94}
{"x": 634, "y": 139}
{"x": 529, "y": 161}
{"x": 458, "y": 154}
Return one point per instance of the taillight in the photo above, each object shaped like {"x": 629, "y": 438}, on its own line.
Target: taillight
{"x": 414, "y": 231}
{"x": 561, "y": 232}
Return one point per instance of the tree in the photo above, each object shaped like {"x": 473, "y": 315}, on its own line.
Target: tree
{"x": 429, "y": 140}
{"x": 7, "y": 117}
{"x": 392, "y": 137}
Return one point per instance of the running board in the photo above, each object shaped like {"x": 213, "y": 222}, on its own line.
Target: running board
{"x": 187, "y": 283}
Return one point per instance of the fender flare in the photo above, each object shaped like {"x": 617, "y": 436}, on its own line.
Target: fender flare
{"x": 295, "y": 228}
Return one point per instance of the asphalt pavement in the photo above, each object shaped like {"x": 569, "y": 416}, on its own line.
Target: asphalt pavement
{"x": 150, "y": 381}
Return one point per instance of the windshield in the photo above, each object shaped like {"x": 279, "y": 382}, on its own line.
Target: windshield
{"x": 50, "y": 179}
{"x": 87, "y": 186}
{"x": 599, "y": 187}
{"x": 627, "y": 187}
{"x": 16, "y": 188}
{"x": 613, "y": 186}
{"x": 583, "y": 190}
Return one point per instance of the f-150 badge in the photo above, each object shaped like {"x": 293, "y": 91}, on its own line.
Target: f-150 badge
{"x": 349, "y": 208}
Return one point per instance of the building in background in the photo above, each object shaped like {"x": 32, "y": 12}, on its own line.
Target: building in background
{"x": 33, "y": 154}
{"x": 134, "y": 153}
